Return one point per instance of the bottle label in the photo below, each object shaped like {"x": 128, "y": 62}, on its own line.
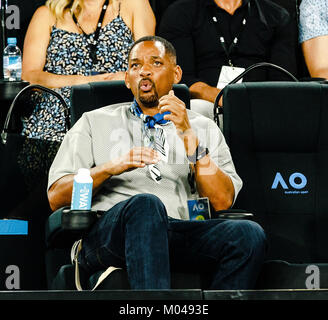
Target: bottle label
{"x": 81, "y": 196}
{"x": 14, "y": 62}
{"x": 12, "y": 68}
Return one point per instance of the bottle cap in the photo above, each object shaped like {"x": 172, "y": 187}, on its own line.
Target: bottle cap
{"x": 12, "y": 41}
{"x": 83, "y": 172}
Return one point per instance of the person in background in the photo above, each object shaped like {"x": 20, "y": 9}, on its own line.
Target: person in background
{"x": 70, "y": 42}
{"x": 217, "y": 39}
{"x": 313, "y": 36}
{"x": 141, "y": 166}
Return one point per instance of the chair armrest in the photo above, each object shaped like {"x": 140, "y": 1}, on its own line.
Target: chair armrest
{"x": 232, "y": 214}
{"x": 64, "y": 226}
{"x": 78, "y": 221}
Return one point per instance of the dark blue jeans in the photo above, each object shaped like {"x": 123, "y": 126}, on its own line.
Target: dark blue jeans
{"x": 137, "y": 234}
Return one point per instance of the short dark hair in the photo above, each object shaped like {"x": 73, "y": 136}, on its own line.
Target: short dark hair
{"x": 169, "y": 49}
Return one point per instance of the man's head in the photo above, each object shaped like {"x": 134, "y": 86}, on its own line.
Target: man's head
{"x": 152, "y": 70}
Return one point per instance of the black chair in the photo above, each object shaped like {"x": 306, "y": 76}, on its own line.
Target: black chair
{"x": 87, "y": 97}
{"x": 278, "y": 136}
{"x": 64, "y": 226}
{"x": 24, "y": 164}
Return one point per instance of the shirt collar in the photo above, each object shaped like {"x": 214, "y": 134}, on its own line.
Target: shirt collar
{"x": 148, "y": 121}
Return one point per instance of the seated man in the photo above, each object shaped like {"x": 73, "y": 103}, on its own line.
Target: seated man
{"x": 140, "y": 163}
{"x": 313, "y": 36}
{"x": 216, "y": 40}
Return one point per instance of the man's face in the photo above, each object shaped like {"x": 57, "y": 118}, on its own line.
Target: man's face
{"x": 151, "y": 73}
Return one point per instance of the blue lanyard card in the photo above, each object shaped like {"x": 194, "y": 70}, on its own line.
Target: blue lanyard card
{"x": 199, "y": 209}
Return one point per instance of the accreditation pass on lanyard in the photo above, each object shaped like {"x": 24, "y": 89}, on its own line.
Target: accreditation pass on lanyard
{"x": 230, "y": 72}
{"x": 227, "y": 74}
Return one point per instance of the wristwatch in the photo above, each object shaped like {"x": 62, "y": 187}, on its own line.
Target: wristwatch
{"x": 199, "y": 153}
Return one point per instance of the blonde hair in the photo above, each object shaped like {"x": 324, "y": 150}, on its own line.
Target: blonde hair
{"x": 58, "y": 7}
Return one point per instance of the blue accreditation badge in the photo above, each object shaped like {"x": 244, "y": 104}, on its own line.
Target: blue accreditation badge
{"x": 199, "y": 209}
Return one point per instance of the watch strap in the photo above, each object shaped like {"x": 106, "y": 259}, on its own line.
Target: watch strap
{"x": 199, "y": 153}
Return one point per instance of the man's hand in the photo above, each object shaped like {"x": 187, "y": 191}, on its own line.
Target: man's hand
{"x": 137, "y": 157}
{"x": 179, "y": 117}
{"x": 60, "y": 192}
{"x": 178, "y": 111}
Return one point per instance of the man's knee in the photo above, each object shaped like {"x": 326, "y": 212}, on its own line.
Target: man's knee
{"x": 147, "y": 199}
{"x": 249, "y": 235}
{"x": 147, "y": 206}
{"x": 253, "y": 235}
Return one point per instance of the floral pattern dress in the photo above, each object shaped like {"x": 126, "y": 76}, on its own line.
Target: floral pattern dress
{"x": 68, "y": 54}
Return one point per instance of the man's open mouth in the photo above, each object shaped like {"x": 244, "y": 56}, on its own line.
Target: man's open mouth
{"x": 145, "y": 85}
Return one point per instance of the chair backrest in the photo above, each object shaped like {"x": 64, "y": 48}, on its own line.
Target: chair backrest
{"x": 90, "y": 96}
{"x": 278, "y": 136}
{"x": 24, "y": 168}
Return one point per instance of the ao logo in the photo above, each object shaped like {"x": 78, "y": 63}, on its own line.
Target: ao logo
{"x": 198, "y": 207}
{"x": 296, "y": 180}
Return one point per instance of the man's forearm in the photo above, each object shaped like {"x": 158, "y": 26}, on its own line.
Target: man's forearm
{"x": 201, "y": 90}
{"x": 60, "y": 193}
{"x": 211, "y": 181}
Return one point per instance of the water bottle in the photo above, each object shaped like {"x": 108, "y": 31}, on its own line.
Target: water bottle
{"x": 12, "y": 61}
{"x": 82, "y": 190}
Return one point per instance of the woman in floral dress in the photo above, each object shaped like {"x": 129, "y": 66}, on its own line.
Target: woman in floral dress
{"x": 64, "y": 47}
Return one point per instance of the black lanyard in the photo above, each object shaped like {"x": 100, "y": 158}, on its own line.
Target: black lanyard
{"x": 93, "y": 46}
{"x": 234, "y": 43}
